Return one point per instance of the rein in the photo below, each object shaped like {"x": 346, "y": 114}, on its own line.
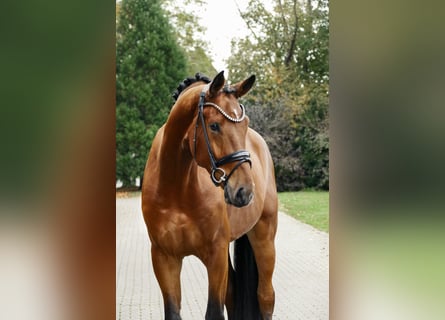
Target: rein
{"x": 218, "y": 175}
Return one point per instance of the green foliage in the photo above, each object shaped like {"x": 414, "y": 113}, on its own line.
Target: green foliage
{"x": 132, "y": 141}
{"x": 149, "y": 64}
{"x": 288, "y": 50}
{"x": 198, "y": 61}
{"x": 313, "y": 137}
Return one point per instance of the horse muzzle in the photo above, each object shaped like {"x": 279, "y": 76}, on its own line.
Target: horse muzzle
{"x": 240, "y": 197}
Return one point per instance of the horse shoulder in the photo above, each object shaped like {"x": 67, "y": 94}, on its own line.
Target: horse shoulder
{"x": 264, "y": 173}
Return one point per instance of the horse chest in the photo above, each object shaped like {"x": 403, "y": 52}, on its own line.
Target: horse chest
{"x": 178, "y": 232}
{"x": 241, "y": 220}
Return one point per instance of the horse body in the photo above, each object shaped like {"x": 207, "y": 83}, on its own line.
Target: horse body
{"x": 186, "y": 214}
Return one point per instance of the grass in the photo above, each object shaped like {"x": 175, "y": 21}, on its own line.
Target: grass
{"x": 308, "y": 206}
{"x": 121, "y": 193}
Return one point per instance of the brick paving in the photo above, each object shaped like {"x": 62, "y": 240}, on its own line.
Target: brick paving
{"x": 301, "y": 277}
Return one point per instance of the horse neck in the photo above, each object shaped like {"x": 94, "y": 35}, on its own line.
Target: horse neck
{"x": 177, "y": 164}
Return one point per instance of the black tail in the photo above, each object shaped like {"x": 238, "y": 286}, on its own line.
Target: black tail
{"x": 246, "y": 282}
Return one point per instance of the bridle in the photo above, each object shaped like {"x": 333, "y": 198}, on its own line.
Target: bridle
{"x": 218, "y": 175}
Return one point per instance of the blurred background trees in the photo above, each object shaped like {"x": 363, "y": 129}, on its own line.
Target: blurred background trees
{"x": 288, "y": 50}
{"x": 190, "y": 35}
{"x": 159, "y": 42}
{"x": 149, "y": 64}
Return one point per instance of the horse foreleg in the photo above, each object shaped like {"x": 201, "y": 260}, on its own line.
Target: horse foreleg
{"x": 230, "y": 289}
{"x": 167, "y": 270}
{"x": 262, "y": 241}
{"x": 217, "y": 270}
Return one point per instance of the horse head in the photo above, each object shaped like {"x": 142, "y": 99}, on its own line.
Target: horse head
{"x": 219, "y": 139}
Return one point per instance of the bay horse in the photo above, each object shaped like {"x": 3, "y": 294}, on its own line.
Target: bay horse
{"x": 188, "y": 212}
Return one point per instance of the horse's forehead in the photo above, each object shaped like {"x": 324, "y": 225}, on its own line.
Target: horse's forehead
{"x": 227, "y": 100}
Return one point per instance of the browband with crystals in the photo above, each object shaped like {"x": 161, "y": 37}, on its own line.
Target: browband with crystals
{"x": 237, "y": 120}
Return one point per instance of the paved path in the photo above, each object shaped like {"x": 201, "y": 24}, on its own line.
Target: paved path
{"x": 300, "y": 278}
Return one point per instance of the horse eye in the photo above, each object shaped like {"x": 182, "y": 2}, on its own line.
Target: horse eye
{"x": 214, "y": 127}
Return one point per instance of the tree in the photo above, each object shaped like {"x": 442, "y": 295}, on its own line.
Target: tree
{"x": 132, "y": 139}
{"x": 312, "y": 137}
{"x": 288, "y": 48}
{"x": 149, "y": 65}
{"x": 190, "y": 34}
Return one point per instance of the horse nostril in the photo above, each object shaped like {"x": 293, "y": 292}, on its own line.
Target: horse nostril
{"x": 240, "y": 198}
{"x": 240, "y": 195}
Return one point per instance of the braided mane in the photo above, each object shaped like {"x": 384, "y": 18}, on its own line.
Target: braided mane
{"x": 188, "y": 81}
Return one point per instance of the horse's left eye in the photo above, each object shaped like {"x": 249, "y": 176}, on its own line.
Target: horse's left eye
{"x": 214, "y": 127}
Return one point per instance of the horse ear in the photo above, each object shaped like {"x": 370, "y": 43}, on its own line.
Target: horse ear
{"x": 217, "y": 84}
{"x": 244, "y": 86}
